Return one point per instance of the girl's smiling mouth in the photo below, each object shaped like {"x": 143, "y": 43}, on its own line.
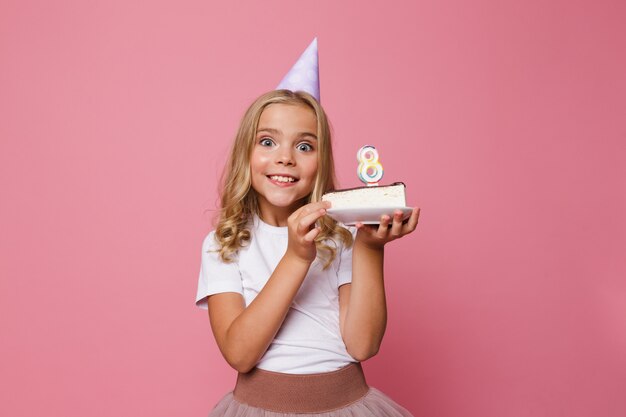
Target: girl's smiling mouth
{"x": 282, "y": 179}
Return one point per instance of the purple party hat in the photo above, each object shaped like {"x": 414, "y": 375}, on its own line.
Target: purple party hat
{"x": 304, "y": 75}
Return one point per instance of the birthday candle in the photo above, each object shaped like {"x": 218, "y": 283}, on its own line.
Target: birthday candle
{"x": 370, "y": 169}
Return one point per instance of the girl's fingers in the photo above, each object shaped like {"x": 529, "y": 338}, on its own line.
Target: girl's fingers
{"x": 310, "y": 237}
{"x": 383, "y": 227}
{"x": 413, "y": 220}
{"x": 368, "y": 229}
{"x": 396, "y": 226}
{"x": 305, "y": 221}
{"x": 310, "y": 208}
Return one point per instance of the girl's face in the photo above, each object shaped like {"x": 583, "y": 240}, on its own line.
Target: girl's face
{"x": 283, "y": 164}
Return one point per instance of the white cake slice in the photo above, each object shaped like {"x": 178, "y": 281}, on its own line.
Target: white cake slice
{"x": 368, "y": 197}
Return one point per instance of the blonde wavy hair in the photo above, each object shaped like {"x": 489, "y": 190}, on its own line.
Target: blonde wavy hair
{"x": 238, "y": 199}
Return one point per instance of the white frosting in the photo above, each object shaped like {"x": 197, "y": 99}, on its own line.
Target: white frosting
{"x": 384, "y": 196}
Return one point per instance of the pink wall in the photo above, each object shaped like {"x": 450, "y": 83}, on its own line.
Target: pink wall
{"x": 507, "y": 121}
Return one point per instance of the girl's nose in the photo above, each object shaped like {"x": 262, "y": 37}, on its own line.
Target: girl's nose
{"x": 285, "y": 157}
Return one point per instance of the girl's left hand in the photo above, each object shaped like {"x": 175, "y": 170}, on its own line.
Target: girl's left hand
{"x": 377, "y": 237}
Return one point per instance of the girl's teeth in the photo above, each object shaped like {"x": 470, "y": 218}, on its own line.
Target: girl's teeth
{"x": 281, "y": 179}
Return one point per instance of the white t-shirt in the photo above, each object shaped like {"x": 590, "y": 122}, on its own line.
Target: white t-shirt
{"x": 309, "y": 340}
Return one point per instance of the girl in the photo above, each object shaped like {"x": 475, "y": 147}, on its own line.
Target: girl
{"x": 295, "y": 300}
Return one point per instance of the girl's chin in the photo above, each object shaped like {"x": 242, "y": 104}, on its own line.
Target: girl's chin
{"x": 284, "y": 204}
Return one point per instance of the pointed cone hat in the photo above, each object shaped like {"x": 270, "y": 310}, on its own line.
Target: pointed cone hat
{"x": 304, "y": 75}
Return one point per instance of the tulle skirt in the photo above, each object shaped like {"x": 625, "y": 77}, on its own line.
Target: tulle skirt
{"x": 342, "y": 393}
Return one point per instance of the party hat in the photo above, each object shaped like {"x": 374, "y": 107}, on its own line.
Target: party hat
{"x": 304, "y": 75}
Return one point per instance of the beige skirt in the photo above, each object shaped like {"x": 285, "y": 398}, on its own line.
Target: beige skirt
{"x": 342, "y": 393}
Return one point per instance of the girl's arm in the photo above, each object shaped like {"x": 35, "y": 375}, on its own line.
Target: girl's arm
{"x": 363, "y": 308}
{"x": 243, "y": 334}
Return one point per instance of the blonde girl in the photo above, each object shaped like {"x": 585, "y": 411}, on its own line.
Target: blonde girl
{"x": 296, "y": 301}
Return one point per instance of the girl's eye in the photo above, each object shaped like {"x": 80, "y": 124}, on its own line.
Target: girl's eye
{"x": 304, "y": 147}
{"x": 266, "y": 142}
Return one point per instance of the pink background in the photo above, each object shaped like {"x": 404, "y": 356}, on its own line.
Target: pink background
{"x": 506, "y": 120}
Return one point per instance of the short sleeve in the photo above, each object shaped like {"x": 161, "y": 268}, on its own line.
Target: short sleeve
{"x": 216, "y": 276}
{"x": 344, "y": 271}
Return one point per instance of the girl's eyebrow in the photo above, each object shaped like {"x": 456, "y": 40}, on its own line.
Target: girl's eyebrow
{"x": 268, "y": 130}
{"x": 308, "y": 134}
{"x": 276, "y": 132}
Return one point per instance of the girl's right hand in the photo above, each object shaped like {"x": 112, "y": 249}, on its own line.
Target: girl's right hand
{"x": 302, "y": 230}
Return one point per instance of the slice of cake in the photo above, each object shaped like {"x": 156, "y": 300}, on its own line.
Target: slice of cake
{"x": 368, "y": 197}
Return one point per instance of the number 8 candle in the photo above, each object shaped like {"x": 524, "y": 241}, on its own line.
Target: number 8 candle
{"x": 370, "y": 169}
